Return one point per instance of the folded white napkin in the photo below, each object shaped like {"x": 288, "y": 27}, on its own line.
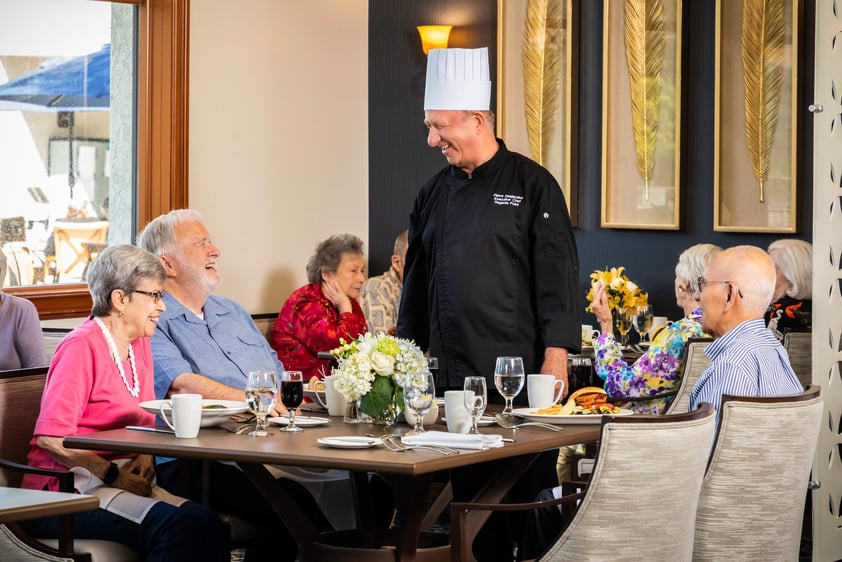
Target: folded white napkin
{"x": 455, "y": 440}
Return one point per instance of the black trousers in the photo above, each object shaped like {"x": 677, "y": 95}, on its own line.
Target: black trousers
{"x": 233, "y": 493}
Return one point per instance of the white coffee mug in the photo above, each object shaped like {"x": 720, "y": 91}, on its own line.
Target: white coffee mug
{"x": 455, "y": 412}
{"x": 543, "y": 390}
{"x": 333, "y": 400}
{"x": 186, "y": 414}
{"x": 587, "y": 334}
{"x": 656, "y": 322}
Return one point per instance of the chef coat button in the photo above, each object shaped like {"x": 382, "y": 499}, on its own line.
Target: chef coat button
{"x": 546, "y": 215}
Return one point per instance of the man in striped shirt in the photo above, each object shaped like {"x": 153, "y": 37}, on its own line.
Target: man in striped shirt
{"x": 746, "y": 359}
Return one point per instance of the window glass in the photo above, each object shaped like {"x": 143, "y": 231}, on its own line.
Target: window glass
{"x": 67, "y": 135}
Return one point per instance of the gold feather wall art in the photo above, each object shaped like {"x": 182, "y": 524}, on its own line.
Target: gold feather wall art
{"x": 645, "y": 47}
{"x": 542, "y": 50}
{"x": 763, "y": 40}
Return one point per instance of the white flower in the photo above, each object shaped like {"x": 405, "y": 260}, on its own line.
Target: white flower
{"x": 383, "y": 365}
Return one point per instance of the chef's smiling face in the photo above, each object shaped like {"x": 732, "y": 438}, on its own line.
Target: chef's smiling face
{"x": 456, "y": 133}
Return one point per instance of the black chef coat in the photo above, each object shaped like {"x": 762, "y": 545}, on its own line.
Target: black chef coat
{"x": 491, "y": 269}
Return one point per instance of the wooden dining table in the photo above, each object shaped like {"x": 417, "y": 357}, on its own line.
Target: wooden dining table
{"x": 415, "y": 467}
{"x": 19, "y": 504}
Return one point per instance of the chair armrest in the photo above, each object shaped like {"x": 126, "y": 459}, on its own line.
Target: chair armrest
{"x": 65, "y": 477}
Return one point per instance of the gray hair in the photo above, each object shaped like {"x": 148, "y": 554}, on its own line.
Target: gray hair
{"x": 159, "y": 235}
{"x": 121, "y": 267}
{"x": 3, "y": 267}
{"x": 692, "y": 263}
{"x": 329, "y": 255}
{"x": 753, "y": 271}
{"x": 487, "y": 113}
{"x": 795, "y": 260}
{"x": 401, "y": 243}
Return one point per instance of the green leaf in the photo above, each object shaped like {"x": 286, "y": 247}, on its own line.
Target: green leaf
{"x": 380, "y": 396}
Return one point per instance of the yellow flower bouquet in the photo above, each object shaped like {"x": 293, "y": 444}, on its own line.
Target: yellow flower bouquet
{"x": 620, "y": 290}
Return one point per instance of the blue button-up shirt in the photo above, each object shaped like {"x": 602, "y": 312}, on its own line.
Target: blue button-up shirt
{"x": 225, "y": 346}
{"x": 746, "y": 361}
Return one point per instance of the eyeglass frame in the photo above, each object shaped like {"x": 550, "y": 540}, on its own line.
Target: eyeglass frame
{"x": 156, "y": 295}
{"x": 701, "y": 282}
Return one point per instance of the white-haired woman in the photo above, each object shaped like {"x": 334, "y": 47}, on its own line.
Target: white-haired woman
{"x": 659, "y": 369}
{"x": 100, "y": 373}
{"x": 21, "y": 338}
{"x": 316, "y": 316}
{"x": 792, "y": 303}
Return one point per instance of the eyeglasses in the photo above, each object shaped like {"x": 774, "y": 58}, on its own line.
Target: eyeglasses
{"x": 701, "y": 282}
{"x": 156, "y": 295}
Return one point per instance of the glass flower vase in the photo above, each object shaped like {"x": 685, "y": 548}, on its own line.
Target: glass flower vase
{"x": 387, "y": 415}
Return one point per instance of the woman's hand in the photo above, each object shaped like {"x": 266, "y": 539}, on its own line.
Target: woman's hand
{"x": 336, "y": 296}
{"x": 601, "y": 310}
{"x": 143, "y": 466}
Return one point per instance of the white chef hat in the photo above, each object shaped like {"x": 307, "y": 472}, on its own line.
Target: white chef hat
{"x": 458, "y": 79}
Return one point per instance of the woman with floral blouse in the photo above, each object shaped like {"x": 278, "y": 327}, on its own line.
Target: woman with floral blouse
{"x": 658, "y": 370}
{"x": 324, "y": 311}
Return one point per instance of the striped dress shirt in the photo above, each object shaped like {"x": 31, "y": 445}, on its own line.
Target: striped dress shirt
{"x": 747, "y": 361}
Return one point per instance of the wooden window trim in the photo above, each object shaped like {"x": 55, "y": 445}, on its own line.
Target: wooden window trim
{"x": 162, "y": 112}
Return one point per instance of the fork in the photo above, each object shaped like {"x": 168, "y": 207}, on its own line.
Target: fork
{"x": 395, "y": 444}
{"x": 509, "y": 421}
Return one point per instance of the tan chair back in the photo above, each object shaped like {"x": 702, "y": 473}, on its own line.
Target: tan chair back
{"x": 614, "y": 520}
{"x": 753, "y": 495}
{"x": 799, "y": 347}
{"x": 20, "y": 404}
{"x": 695, "y": 363}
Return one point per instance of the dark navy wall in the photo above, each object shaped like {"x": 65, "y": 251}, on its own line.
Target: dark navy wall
{"x": 400, "y": 161}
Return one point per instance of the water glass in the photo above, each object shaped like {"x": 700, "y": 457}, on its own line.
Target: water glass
{"x": 261, "y": 394}
{"x": 292, "y": 393}
{"x": 508, "y": 378}
{"x": 643, "y": 318}
{"x": 418, "y": 395}
{"x": 476, "y": 399}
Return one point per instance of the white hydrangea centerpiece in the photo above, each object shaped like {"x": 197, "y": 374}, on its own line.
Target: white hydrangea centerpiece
{"x": 373, "y": 369}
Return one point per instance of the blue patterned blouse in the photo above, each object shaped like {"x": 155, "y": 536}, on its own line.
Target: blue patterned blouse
{"x": 656, "y": 371}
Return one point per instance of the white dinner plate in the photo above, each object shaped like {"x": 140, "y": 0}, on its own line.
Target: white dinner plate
{"x": 481, "y": 422}
{"x": 349, "y": 442}
{"x": 302, "y": 421}
{"x": 210, "y": 416}
{"x": 574, "y": 419}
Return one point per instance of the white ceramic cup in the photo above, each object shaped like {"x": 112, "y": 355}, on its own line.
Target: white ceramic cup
{"x": 658, "y": 321}
{"x": 587, "y": 334}
{"x": 543, "y": 390}
{"x": 186, "y": 414}
{"x": 458, "y": 418}
{"x": 333, "y": 400}
{"x": 430, "y": 417}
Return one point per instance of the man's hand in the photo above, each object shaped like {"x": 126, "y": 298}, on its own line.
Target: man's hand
{"x": 143, "y": 466}
{"x": 132, "y": 482}
{"x": 555, "y": 363}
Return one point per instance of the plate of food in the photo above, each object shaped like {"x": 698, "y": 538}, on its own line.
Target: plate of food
{"x": 302, "y": 421}
{"x": 587, "y": 405}
{"x": 214, "y": 412}
{"x": 315, "y": 385}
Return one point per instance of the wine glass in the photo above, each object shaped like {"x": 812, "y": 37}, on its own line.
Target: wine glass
{"x": 476, "y": 398}
{"x": 508, "y": 378}
{"x": 643, "y": 317}
{"x": 418, "y": 395}
{"x": 622, "y": 323}
{"x": 261, "y": 394}
{"x": 292, "y": 393}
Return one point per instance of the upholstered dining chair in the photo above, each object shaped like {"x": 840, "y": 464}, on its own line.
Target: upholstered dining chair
{"x": 643, "y": 462}
{"x": 754, "y": 490}
{"x": 695, "y": 363}
{"x": 799, "y": 346}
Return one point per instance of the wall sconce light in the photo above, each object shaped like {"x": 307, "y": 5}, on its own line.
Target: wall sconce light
{"x": 434, "y": 36}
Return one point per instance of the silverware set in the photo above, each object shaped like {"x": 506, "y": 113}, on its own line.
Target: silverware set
{"x": 510, "y": 421}
{"x": 395, "y": 444}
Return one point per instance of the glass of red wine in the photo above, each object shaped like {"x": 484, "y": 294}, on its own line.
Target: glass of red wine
{"x": 292, "y": 393}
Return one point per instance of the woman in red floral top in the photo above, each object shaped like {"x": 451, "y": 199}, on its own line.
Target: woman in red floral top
{"x": 317, "y": 315}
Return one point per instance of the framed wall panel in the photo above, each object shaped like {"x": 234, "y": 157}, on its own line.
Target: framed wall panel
{"x": 641, "y": 114}
{"x": 756, "y": 124}
{"x": 546, "y": 132}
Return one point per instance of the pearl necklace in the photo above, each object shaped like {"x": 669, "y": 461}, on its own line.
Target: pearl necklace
{"x": 135, "y": 392}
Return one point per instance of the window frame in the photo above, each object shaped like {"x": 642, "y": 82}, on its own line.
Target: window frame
{"x": 162, "y": 120}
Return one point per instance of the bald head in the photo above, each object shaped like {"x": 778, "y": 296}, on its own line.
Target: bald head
{"x": 740, "y": 286}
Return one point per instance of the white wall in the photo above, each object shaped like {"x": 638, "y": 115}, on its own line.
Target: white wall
{"x": 278, "y": 136}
